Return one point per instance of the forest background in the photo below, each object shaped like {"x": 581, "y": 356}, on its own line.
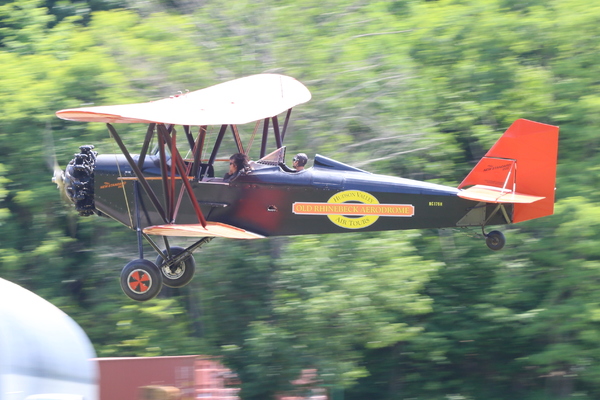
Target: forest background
{"x": 413, "y": 88}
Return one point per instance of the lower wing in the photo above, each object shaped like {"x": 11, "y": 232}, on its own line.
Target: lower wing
{"x": 212, "y": 229}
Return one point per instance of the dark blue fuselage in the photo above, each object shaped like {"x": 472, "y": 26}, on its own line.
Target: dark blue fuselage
{"x": 330, "y": 197}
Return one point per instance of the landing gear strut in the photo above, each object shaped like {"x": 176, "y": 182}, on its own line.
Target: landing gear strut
{"x": 495, "y": 240}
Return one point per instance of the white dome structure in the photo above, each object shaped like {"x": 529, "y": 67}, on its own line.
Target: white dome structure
{"x": 44, "y": 354}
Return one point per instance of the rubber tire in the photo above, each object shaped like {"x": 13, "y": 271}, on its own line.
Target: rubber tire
{"x": 495, "y": 240}
{"x": 141, "y": 280}
{"x": 182, "y": 278}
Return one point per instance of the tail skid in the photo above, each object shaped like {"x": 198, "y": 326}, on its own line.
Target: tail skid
{"x": 519, "y": 169}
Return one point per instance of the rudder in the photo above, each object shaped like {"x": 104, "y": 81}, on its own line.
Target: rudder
{"x": 522, "y": 162}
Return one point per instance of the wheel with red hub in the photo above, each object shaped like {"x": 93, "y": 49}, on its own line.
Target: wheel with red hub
{"x": 141, "y": 280}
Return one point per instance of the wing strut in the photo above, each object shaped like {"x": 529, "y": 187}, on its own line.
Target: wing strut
{"x": 279, "y": 135}
{"x": 278, "y": 140}
{"x": 197, "y": 150}
{"x": 138, "y": 172}
{"x": 236, "y": 137}
{"x": 177, "y": 161}
{"x": 164, "y": 174}
{"x": 249, "y": 146}
{"x": 285, "y": 123}
{"x": 189, "y": 136}
{"x": 144, "y": 151}
{"x": 213, "y": 155}
{"x": 263, "y": 145}
{"x": 173, "y": 146}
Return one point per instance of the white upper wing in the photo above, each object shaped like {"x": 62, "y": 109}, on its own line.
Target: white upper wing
{"x": 235, "y": 102}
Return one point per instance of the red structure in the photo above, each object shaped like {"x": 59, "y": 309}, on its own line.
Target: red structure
{"x": 184, "y": 378}
{"x": 195, "y": 377}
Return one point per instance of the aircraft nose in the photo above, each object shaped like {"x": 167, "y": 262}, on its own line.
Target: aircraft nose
{"x": 77, "y": 180}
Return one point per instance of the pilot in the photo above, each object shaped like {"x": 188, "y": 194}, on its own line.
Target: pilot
{"x": 237, "y": 164}
{"x": 300, "y": 161}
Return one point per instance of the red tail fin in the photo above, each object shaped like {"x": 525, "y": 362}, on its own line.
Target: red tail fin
{"x": 522, "y": 162}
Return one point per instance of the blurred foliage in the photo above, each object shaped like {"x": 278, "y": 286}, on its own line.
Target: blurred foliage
{"x": 419, "y": 89}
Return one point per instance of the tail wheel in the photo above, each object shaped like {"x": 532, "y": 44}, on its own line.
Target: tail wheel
{"x": 179, "y": 274}
{"x": 495, "y": 240}
{"x": 141, "y": 280}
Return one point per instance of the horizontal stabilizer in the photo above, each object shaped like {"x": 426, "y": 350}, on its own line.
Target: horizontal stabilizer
{"x": 496, "y": 195}
{"x": 212, "y": 229}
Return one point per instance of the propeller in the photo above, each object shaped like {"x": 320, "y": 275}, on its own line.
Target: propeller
{"x": 58, "y": 177}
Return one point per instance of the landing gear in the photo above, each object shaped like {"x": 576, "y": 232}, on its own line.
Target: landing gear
{"x": 141, "y": 280}
{"x": 495, "y": 240}
{"x": 176, "y": 272}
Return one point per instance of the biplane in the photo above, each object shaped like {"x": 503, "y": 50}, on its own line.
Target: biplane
{"x": 171, "y": 190}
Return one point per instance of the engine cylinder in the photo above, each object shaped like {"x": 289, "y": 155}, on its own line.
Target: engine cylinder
{"x": 79, "y": 180}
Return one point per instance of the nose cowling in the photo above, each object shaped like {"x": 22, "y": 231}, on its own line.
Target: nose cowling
{"x": 79, "y": 180}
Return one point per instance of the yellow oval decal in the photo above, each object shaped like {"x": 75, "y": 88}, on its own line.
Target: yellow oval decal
{"x": 353, "y": 209}
{"x": 351, "y": 202}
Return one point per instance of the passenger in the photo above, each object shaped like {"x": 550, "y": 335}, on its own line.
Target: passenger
{"x": 237, "y": 164}
{"x": 300, "y": 161}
